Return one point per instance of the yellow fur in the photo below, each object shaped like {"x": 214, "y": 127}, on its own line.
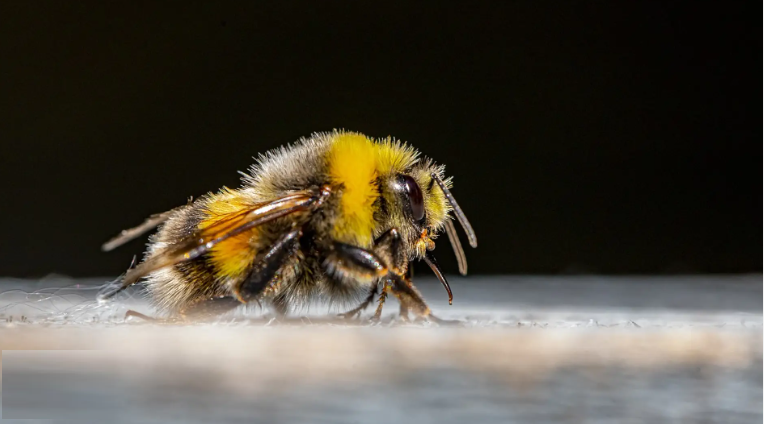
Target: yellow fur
{"x": 435, "y": 200}
{"x": 394, "y": 157}
{"x": 352, "y": 164}
{"x": 355, "y": 162}
{"x": 437, "y": 206}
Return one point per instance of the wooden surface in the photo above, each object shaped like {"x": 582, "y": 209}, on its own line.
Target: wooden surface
{"x": 525, "y": 349}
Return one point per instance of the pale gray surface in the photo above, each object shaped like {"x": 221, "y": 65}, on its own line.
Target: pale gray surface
{"x": 528, "y": 349}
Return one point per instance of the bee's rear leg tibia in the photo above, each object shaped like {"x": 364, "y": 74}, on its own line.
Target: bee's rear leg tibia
{"x": 365, "y": 304}
{"x": 132, "y": 313}
{"x": 209, "y": 308}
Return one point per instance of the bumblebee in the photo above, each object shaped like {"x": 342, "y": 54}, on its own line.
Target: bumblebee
{"x": 335, "y": 216}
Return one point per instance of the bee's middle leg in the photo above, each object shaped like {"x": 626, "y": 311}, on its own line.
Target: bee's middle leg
{"x": 387, "y": 252}
{"x": 351, "y": 263}
{"x": 365, "y": 304}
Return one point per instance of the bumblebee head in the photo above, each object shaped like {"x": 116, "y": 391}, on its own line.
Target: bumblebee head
{"x": 418, "y": 201}
{"x": 384, "y": 184}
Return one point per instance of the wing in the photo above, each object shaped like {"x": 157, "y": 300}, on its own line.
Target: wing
{"x": 204, "y": 239}
{"x": 132, "y": 233}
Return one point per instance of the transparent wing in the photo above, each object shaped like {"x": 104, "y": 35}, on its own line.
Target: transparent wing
{"x": 131, "y": 233}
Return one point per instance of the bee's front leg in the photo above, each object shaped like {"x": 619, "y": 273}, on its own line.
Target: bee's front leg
{"x": 388, "y": 246}
{"x": 409, "y": 298}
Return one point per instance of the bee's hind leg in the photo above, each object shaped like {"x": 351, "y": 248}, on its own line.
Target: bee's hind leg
{"x": 265, "y": 273}
{"x": 207, "y": 309}
{"x": 201, "y": 310}
{"x": 136, "y": 314}
{"x": 263, "y": 277}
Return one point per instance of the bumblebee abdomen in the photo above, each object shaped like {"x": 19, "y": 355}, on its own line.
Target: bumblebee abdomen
{"x": 178, "y": 286}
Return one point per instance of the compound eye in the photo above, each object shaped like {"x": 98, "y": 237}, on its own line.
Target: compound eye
{"x": 415, "y": 197}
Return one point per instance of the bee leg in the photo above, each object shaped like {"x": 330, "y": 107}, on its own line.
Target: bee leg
{"x": 346, "y": 263}
{"x": 400, "y": 285}
{"x": 365, "y": 304}
{"x": 132, "y": 313}
{"x": 136, "y": 314}
{"x": 381, "y": 302}
{"x": 209, "y": 308}
{"x": 264, "y": 276}
{"x": 387, "y": 259}
{"x": 264, "y": 273}
{"x": 388, "y": 247}
{"x": 409, "y": 298}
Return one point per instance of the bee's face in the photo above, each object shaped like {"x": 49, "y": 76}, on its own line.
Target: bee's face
{"x": 415, "y": 205}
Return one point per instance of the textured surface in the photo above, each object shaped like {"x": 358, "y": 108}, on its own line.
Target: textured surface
{"x": 526, "y": 349}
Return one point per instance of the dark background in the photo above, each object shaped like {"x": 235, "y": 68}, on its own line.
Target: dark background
{"x": 585, "y": 137}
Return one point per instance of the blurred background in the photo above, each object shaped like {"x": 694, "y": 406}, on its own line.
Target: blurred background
{"x": 584, "y": 137}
